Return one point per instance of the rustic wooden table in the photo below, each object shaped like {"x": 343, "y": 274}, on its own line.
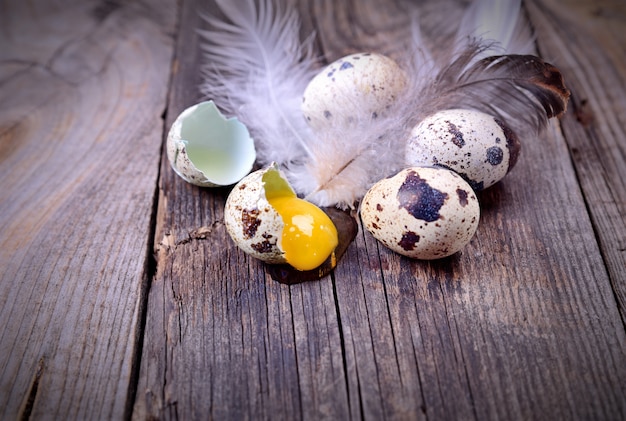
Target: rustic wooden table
{"x": 122, "y": 296}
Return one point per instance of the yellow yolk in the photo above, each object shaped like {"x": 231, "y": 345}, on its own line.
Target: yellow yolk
{"x": 309, "y": 236}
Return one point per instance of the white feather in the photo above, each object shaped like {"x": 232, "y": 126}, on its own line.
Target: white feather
{"x": 345, "y": 160}
{"x": 256, "y": 69}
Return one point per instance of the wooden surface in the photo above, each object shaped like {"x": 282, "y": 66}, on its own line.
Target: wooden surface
{"x": 123, "y": 297}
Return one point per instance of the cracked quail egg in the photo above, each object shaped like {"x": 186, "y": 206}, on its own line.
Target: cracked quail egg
{"x": 479, "y": 147}
{"x": 207, "y": 149}
{"x": 266, "y": 219}
{"x": 354, "y": 87}
{"x": 422, "y": 212}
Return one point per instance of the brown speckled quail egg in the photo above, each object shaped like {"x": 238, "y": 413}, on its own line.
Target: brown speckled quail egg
{"x": 266, "y": 219}
{"x": 422, "y": 212}
{"x": 207, "y": 149}
{"x": 479, "y": 147}
{"x": 357, "y": 86}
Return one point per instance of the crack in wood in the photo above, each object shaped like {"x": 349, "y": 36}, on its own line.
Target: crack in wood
{"x": 168, "y": 242}
{"x": 29, "y": 402}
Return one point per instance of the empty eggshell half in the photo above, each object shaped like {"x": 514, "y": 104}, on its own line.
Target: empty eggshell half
{"x": 355, "y": 87}
{"x": 207, "y": 149}
{"x": 422, "y": 212}
{"x": 478, "y": 146}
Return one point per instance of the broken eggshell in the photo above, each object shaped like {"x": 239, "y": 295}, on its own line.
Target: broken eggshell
{"x": 266, "y": 219}
{"x": 207, "y": 149}
{"x": 422, "y": 212}
{"x": 477, "y": 146}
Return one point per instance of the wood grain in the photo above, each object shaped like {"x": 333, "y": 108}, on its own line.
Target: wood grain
{"x": 122, "y": 296}
{"x": 523, "y": 324}
{"x": 595, "y": 128}
{"x": 83, "y": 90}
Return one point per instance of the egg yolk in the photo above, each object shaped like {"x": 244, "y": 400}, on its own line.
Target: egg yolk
{"x": 309, "y": 236}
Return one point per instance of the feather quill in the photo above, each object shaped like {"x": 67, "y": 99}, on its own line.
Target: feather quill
{"x": 345, "y": 160}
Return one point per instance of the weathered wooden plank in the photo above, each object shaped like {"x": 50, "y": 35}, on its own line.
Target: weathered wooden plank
{"x": 506, "y": 315}
{"x": 535, "y": 247}
{"x": 496, "y": 331}
{"x": 522, "y": 324}
{"x": 589, "y": 39}
{"x": 237, "y": 344}
{"x": 83, "y": 90}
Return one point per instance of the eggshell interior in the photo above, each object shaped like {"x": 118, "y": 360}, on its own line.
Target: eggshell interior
{"x": 207, "y": 149}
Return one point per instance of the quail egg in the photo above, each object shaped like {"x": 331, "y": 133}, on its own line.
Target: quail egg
{"x": 479, "y": 147}
{"x": 207, "y": 149}
{"x": 354, "y": 87}
{"x": 266, "y": 219}
{"x": 422, "y": 212}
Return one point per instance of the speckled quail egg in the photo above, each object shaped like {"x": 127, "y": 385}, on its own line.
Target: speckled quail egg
{"x": 479, "y": 147}
{"x": 266, "y": 219}
{"x": 422, "y": 212}
{"x": 207, "y": 149}
{"x": 354, "y": 87}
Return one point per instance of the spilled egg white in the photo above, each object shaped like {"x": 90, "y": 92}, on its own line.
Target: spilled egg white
{"x": 207, "y": 149}
{"x": 358, "y": 86}
{"x": 479, "y": 147}
{"x": 266, "y": 219}
{"x": 422, "y": 212}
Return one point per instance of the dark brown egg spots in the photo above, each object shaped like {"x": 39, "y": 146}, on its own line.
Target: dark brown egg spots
{"x": 457, "y": 135}
{"x": 379, "y": 207}
{"x": 243, "y": 186}
{"x": 462, "y": 197}
{"x": 420, "y": 199}
{"x": 409, "y": 240}
{"x": 495, "y": 155}
{"x": 251, "y": 222}
{"x": 512, "y": 143}
{"x": 264, "y": 246}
